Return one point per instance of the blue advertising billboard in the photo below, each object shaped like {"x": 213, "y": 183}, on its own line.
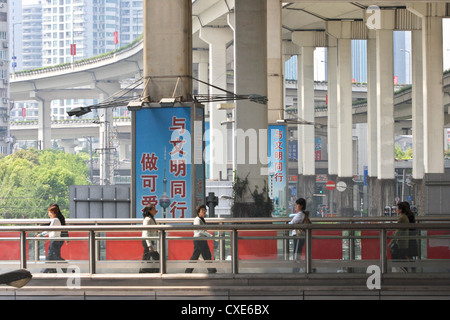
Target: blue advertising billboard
{"x": 168, "y": 160}
{"x": 278, "y": 171}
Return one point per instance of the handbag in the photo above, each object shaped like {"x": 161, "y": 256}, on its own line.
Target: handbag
{"x": 149, "y": 256}
{"x": 393, "y": 248}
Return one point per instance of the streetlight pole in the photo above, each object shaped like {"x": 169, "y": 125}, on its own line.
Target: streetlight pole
{"x": 14, "y": 58}
{"x": 409, "y": 64}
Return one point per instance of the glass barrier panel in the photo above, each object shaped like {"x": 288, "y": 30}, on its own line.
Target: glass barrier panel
{"x": 328, "y": 250}
{"x": 261, "y": 251}
{"x": 119, "y": 252}
{"x": 49, "y": 255}
{"x": 189, "y": 254}
{"x": 10, "y": 251}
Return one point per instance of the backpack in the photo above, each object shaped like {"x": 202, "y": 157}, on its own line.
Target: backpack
{"x": 306, "y": 220}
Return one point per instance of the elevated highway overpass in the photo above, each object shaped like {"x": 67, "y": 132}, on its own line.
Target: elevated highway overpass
{"x": 79, "y": 128}
{"x": 294, "y": 28}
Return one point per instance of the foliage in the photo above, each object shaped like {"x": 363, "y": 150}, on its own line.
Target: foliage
{"x": 402, "y": 155}
{"x": 30, "y": 180}
{"x": 447, "y": 154}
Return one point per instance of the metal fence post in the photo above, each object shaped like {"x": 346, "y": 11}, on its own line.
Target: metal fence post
{"x": 383, "y": 251}
{"x": 308, "y": 256}
{"x": 23, "y": 250}
{"x": 162, "y": 255}
{"x": 234, "y": 254}
{"x": 92, "y": 253}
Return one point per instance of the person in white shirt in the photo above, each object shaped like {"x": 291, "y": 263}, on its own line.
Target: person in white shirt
{"x": 150, "y": 247}
{"x": 299, "y": 218}
{"x": 54, "y": 248}
{"x": 201, "y": 246}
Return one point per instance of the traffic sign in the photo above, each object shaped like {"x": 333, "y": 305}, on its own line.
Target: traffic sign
{"x": 330, "y": 185}
{"x": 341, "y": 186}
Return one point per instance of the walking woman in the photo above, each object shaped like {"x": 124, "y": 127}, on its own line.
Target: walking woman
{"x": 54, "y": 249}
{"x": 413, "y": 246}
{"x": 300, "y": 217}
{"x": 201, "y": 246}
{"x": 399, "y": 246}
{"x": 150, "y": 246}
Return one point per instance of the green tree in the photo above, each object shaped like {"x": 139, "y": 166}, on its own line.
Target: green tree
{"x": 402, "y": 155}
{"x": 30, "y": 180}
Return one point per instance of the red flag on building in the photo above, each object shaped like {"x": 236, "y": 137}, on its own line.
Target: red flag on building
{"x": 116, "y": 37}
{"x": 73, "y": 49}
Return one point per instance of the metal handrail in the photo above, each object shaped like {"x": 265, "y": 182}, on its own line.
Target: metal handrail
{"x": 99, "y": 221}
{"x": 163, "y": 229}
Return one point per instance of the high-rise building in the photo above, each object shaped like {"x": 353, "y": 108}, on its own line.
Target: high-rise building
{"x": 31, "y": 30}
{"x": 65, "y": 31}
{"x": 5, "y": 139}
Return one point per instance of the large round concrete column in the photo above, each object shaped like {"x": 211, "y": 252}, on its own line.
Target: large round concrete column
{"x": 344, "y": 126}
{"x": 372, "y": 139}
{"x": 342, "y": 31}
{"x": 251, "y": 78}
{"x": 332, "y": 119}
{"x": 308, "y": 178}
{"x": 275, "y": 78}
{"x": 385, "y": 111}
{"x": 433, "y": 94}
{"x": 433, "y": 185}
{"x": 307, "y": 41}
{"x": 217, "y": 38}
{"x": 417, "y": 117}
{"x": 167, "y": 49}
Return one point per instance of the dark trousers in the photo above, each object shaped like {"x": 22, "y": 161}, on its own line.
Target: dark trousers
{"x": 298, "y": 247}
{"x": 201, "y": 248}
{"x": 53, "y": 254}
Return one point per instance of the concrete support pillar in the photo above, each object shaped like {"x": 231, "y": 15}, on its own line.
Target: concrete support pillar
{"x": 68, "y": 145}
{"x": 217, "y": 38}
{"x": 306, "y": 135}
{"x": 124, "y": 149}
{"x": 299, "y": 112}
{"x": 372, "y": 140}
{"x": 251, "y": 78}
{"x": 385, "y": 111}
{"x": 417, "y": 117}
{"x": 342, "y": 31}
{"x": 433, "y": 99}
{"x": 332, "y": 107}
{"x": 307, "y": 109}
{"x": 307, "y": 114}
{"x": 332, "y": 120}
{"x": 168, "y": 49}
{"x": 201, "y": 57}
{"x": 433, "y": 94}
{"x": 44, "y": 124}
{"x": 275, "y": 77}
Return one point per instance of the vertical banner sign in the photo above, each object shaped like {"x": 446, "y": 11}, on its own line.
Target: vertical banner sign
{"x": 318, "y": 148}
{"x": 278, "y": 178}
{"x": 169, "y": 167}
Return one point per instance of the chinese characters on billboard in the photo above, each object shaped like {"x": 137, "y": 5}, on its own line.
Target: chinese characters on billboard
{"x": 169, "y": 169}
{"x": 278, "y": 168}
